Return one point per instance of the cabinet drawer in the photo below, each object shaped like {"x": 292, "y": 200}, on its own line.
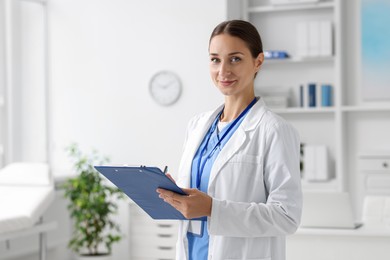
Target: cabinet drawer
{"x": 375, "y": 165}
{"x": 158, "y": 252}
{"x": 138, "y": 216}
{"x": 378, "y": 183}
{"x": 147, "y": 220}
{"x": 153, "y": 241}
{"x": 156, "y": 229}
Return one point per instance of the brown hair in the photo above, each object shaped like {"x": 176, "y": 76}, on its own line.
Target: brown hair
{"x": 243, "y": 30}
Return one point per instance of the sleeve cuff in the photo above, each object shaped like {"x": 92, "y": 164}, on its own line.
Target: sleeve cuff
{"x": 212, "y": 221}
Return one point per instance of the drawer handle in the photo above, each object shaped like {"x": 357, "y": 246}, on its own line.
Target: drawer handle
{"x": 165, "y": 247}
{"x": 385, "y": 165}
{"x": 164, "y": 225}
{"x": 164, "y": 235}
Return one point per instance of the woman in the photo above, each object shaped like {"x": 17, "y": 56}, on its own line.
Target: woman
{"x": 240, "y": 161}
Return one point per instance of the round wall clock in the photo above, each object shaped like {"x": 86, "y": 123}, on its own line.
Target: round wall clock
{"x": 165, "y": 87}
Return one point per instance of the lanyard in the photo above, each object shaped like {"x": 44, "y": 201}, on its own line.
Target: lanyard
{"x": 201, "y": 165}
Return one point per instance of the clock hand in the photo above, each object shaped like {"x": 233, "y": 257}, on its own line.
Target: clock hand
{"x": 166, "y": 85}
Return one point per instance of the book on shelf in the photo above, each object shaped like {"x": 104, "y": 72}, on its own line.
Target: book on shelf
{"x": 314, "y": 39}
{"x": 315, "y": 95}
{"x": 326, "y": 95}
{"x": 312, "y": 95}
{"x": 316, "y": 163}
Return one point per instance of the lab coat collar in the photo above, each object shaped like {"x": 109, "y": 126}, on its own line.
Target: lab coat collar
{"x": 249, "y": 123}
{"x": 202, "y": 126}
{"x": 254, "y": 116}
{"x": 251, "y": 120}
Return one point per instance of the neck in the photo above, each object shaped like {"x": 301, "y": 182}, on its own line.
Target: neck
{"x": 234, "y": 106}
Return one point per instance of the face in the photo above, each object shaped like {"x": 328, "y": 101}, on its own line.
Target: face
{"x": 232, "y": 67}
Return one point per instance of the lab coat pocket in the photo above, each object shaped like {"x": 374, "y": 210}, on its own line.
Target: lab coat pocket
{"x": 241, "y": 174}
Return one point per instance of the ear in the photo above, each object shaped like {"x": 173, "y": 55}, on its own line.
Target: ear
{"x": 259, "y": 61}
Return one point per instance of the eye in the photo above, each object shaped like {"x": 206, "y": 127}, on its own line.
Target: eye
{"x": 235, "y": 59}
{"x": 214, "y": 60}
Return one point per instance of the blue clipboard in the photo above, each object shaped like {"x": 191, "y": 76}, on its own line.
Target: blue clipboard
{"x": 140, "y": 184}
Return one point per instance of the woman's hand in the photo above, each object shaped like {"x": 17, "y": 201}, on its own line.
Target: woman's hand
{"x": 193, "y": 205}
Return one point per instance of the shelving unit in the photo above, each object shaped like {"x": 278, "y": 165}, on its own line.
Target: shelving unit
{"x": 309, "y": 110}
{"x": 351, "y": 126}
{"x": 277, "y": 25}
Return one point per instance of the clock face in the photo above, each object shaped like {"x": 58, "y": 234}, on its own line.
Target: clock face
{"x": 165, "y": 87}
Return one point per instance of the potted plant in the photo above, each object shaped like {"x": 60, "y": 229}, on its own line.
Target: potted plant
{"x": 91, "y": 207}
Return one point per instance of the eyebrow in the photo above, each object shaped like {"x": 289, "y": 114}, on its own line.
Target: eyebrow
{"x": 230, "y": 54}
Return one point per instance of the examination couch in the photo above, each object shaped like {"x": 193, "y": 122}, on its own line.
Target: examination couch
{"x": 26, "y": 191}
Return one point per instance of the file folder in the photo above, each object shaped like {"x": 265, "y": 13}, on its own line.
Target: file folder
{"x": 140, "y": 184}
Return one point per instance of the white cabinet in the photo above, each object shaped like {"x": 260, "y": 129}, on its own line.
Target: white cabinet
{"x": 151, "y": 239}
{"x": 367, "y": 242}
{"x": 375, "y": 163}
{"x": 373, "y": 178}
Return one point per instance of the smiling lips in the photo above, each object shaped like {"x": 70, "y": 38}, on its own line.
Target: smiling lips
{"x": 226, "y": 83}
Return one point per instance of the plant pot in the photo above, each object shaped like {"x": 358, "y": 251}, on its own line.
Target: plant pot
{"x": 94, "y": 257}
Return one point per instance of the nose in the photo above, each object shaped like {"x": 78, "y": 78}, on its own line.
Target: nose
{"x": 224, "y": 70}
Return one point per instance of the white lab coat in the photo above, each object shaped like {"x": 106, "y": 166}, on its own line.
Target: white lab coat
{"x": 255, "y": 185}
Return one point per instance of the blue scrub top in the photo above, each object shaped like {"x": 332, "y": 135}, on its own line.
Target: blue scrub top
{"x": 198, "y": 244}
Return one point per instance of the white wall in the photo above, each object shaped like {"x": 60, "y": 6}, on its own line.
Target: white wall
{"x": 103, "y": 54}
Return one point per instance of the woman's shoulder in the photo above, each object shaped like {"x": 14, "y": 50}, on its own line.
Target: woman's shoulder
{"x": 196, "y": 119}
{"x": 274, "y": 122}
{"x": 204, "y": 116}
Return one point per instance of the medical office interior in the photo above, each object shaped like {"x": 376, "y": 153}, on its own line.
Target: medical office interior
{"x": 81, "y": 71}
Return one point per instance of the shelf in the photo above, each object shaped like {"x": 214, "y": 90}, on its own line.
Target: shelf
{"x": 367, "y": 230}
{"x": 366, "y": 108}
{"x": 306, "y": 110}
{"x": 319, "y": 110}
{"x": 331, "y": 185}
{"x": 290, "y": 7}
{"x": 298, "y": 60}
{"x": 42, "y": 2}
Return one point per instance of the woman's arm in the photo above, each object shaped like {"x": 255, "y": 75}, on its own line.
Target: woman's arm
{"x": 280, "y": 214}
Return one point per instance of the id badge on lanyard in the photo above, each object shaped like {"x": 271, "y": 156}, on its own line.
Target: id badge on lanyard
{"x": 195, "y": 227}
